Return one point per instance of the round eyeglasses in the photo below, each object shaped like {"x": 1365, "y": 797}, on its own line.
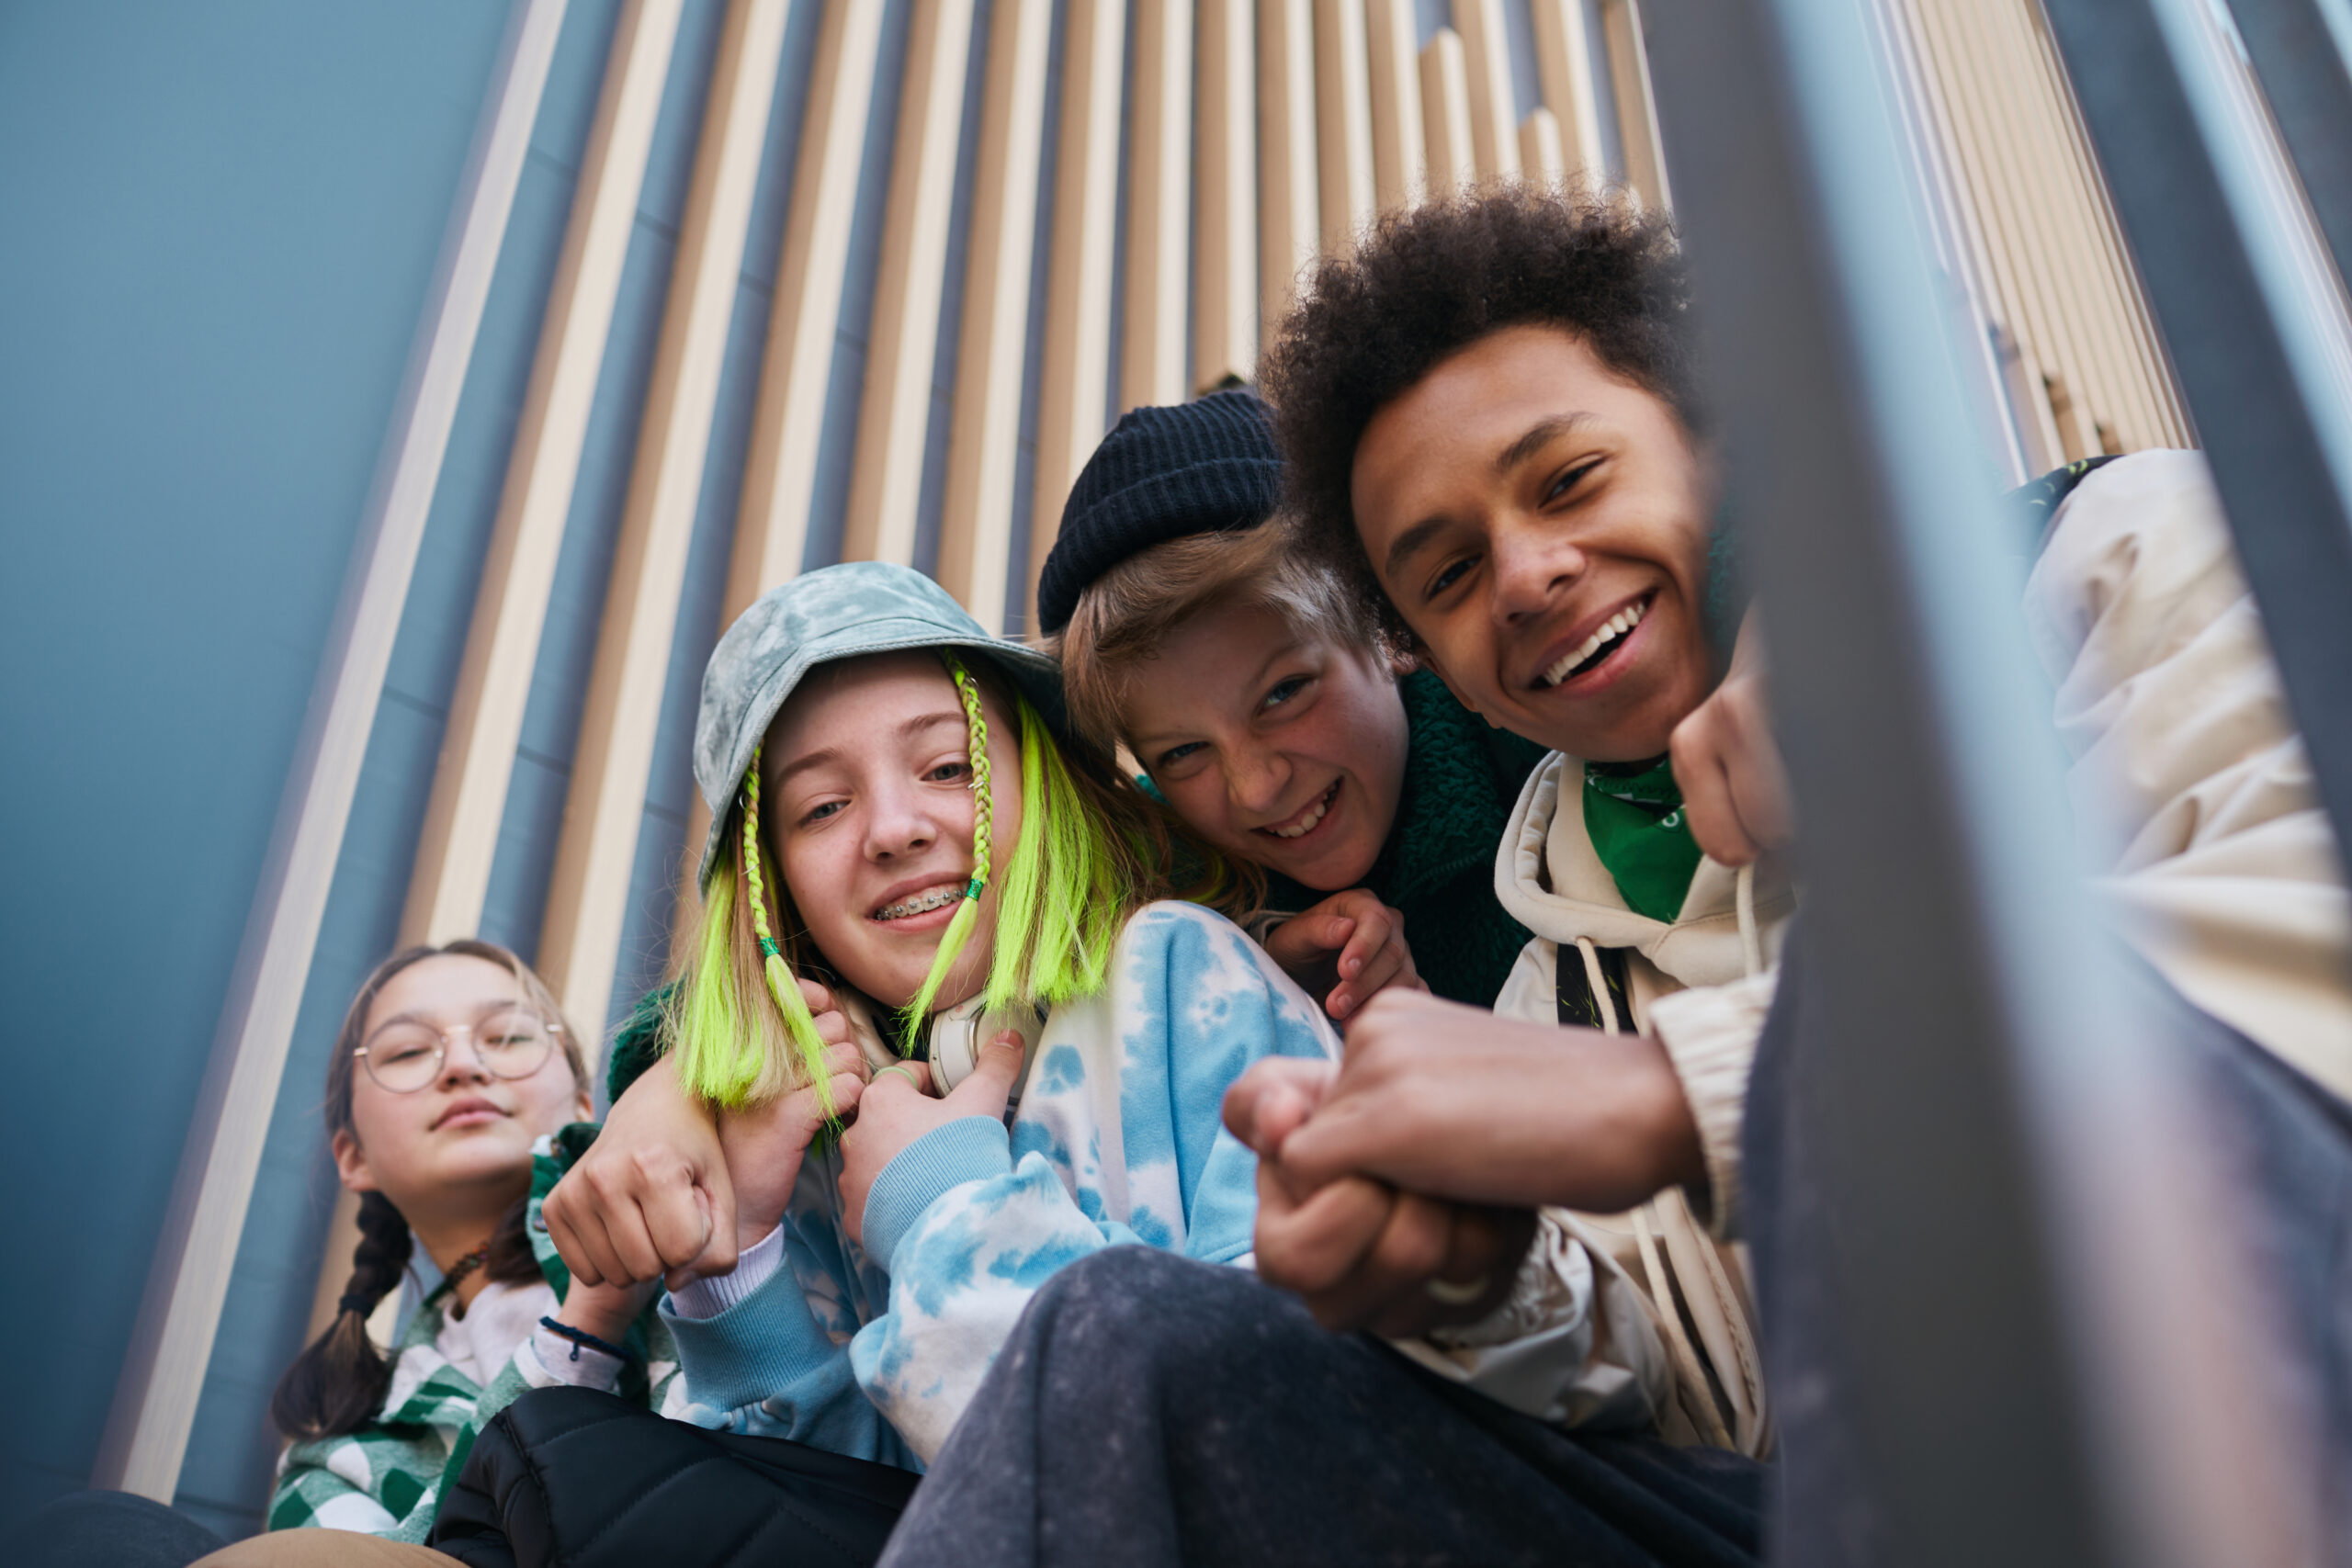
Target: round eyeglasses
{"x": 512, "y": 1043}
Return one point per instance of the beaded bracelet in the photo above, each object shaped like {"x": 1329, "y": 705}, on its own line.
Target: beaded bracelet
{"x": 579, "y": 1336}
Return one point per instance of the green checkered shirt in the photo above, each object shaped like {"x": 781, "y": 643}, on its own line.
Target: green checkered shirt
{"x": 386, "y": 1478}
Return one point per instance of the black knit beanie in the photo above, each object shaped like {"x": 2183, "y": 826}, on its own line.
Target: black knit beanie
{"x": 1197, "y": 467}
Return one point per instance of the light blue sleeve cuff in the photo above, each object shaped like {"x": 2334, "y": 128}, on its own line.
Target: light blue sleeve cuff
{"x": 971, "y": 1148}
{"x": 765, "y": 1341}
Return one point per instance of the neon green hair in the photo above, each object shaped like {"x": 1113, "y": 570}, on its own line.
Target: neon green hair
{"x": 1066, "y": 891}
{"x": 1071, "y": 880}
{"x": 735, "y": 1047}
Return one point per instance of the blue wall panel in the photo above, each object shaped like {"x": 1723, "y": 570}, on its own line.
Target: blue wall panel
{"x": 222, "y": 222}
{"x": 515, "y": 911}
{"x": 233, "y": 1448}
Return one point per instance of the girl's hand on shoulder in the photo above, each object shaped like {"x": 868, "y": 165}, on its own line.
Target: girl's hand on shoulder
{"x": 650, "y": 1199}
{"x": 1728, "y": 766}
{"x": 899, "y": 1108}
{"x": 1346, "y": 949}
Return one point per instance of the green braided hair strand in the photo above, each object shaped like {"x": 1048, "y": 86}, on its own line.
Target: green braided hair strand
{"x": 1075, "y": 872}
{"x": 782, "y": 984}
{"x": 725, "y": 1039}
{"x": 968, "y": 909}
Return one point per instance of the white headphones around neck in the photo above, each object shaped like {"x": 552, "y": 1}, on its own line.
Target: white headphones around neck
{"x": 957, "y": 1034}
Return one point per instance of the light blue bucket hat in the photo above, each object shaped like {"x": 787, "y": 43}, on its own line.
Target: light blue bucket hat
{"x": 842, "y": 612}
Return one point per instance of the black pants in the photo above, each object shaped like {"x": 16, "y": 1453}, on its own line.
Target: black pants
{"x": 572, "y": 1476}
{"x": 2289, "y": 1145}
{"x": 1150, "y": 1411}
{"x": 107, "y": 1529}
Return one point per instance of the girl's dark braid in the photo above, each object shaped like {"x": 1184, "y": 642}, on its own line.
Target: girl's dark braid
{"x": 382, "y": 1255}
{"x": 336, "y": 1384}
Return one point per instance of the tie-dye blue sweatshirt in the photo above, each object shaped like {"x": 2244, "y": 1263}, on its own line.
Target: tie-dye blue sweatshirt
{"x": 1118, "y": 1138}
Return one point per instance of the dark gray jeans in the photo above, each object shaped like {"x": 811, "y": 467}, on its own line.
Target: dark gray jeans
{"x": 2292, "y": 1147}
{"x": 106, "y": 1529}
{"x": 1150, "y": 1411}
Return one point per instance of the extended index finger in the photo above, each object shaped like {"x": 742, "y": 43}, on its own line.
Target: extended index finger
{"x": 1375, "y": 926}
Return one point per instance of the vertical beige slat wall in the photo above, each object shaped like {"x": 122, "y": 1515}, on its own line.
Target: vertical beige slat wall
{"x": 1486, "y": 50}
{"x": 1074, "y": 385}
{"x": 780, "y": 469}
{"x": 1259, "y": 131}
{"x": 1160, "y": 206}
{"x": 1225, "y": 163}
{"x": 795, "y": 368}
{"x": 597, "y": 851}
{"x": 1399, "y": 152}
{"x": 1445, "y": 114}
{"x": 984, "y": 432}
{"x": 2064, "y": 301}
{"x": 1289, "y": 214}
{"x": 1542, "y": 158}
{"x": 1342, "y": 121}
{"x": 1564, "y": 63}
{"x": 1629, "y": 77}
{"x": 461, "y": 835}
{"x": 461, "y": 820}
{"x": 1257, "y": 134}
{"x": 886, "y": 482}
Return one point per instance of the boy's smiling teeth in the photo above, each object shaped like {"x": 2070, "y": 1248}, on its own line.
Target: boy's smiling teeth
{"x": 921, "y": 903}
{"x": 1305, "y": 823}
{"x": 1608, "y": 632}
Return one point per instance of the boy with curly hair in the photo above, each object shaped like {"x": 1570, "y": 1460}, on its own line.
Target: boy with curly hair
{"x": 1490, "y": 414}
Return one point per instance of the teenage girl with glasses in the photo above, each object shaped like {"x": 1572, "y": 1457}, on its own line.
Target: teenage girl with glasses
{"x": 453, "y": 1063}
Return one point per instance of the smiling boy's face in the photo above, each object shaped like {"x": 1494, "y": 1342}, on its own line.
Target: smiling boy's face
{"x": 1284, "y": 750}
{"x": 1540, "y": 522}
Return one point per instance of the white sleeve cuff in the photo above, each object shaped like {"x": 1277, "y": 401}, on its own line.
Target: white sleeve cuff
{"x": 1570, "y": 1347}
{"x": 568, "y": 1361}
{"x": 1552, "y": 1280}
{"x": 709, "y": 1297}
{"x": 1710, "y": 1034}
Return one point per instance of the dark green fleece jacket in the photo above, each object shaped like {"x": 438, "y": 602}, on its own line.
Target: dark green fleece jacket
{"x": 1461, "y": 778}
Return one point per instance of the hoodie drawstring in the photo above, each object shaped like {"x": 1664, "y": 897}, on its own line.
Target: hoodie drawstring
{"x": 1688, "y": 1370}
{"x": 1600, "y": 983}
{"x": 1743, "y": 897}
{"x": 1651, "y": 1219}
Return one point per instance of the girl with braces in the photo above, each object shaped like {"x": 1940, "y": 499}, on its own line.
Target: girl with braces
{"x": 943, "y": 1028}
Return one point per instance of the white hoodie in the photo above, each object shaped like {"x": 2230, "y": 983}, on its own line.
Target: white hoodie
{"x": 2190, "y": 784}
{"x": 1696, "y": 1287}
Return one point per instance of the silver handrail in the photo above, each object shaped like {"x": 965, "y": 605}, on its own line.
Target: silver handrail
{"x": 2302, "y": 51}
{"x": 2008, "y": 1159}
{"x": 2247, "y": 322}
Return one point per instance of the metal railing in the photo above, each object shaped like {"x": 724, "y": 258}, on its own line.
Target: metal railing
{"x": 2009, "y": 1163}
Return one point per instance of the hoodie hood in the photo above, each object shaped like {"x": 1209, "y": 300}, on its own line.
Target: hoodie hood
{"x": 1548, "y": 877}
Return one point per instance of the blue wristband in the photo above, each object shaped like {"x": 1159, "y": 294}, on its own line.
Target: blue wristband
{"x": 579, "y": 1336}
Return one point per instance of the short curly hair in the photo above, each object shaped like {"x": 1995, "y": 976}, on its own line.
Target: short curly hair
{"x": 1429, "y": 282}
